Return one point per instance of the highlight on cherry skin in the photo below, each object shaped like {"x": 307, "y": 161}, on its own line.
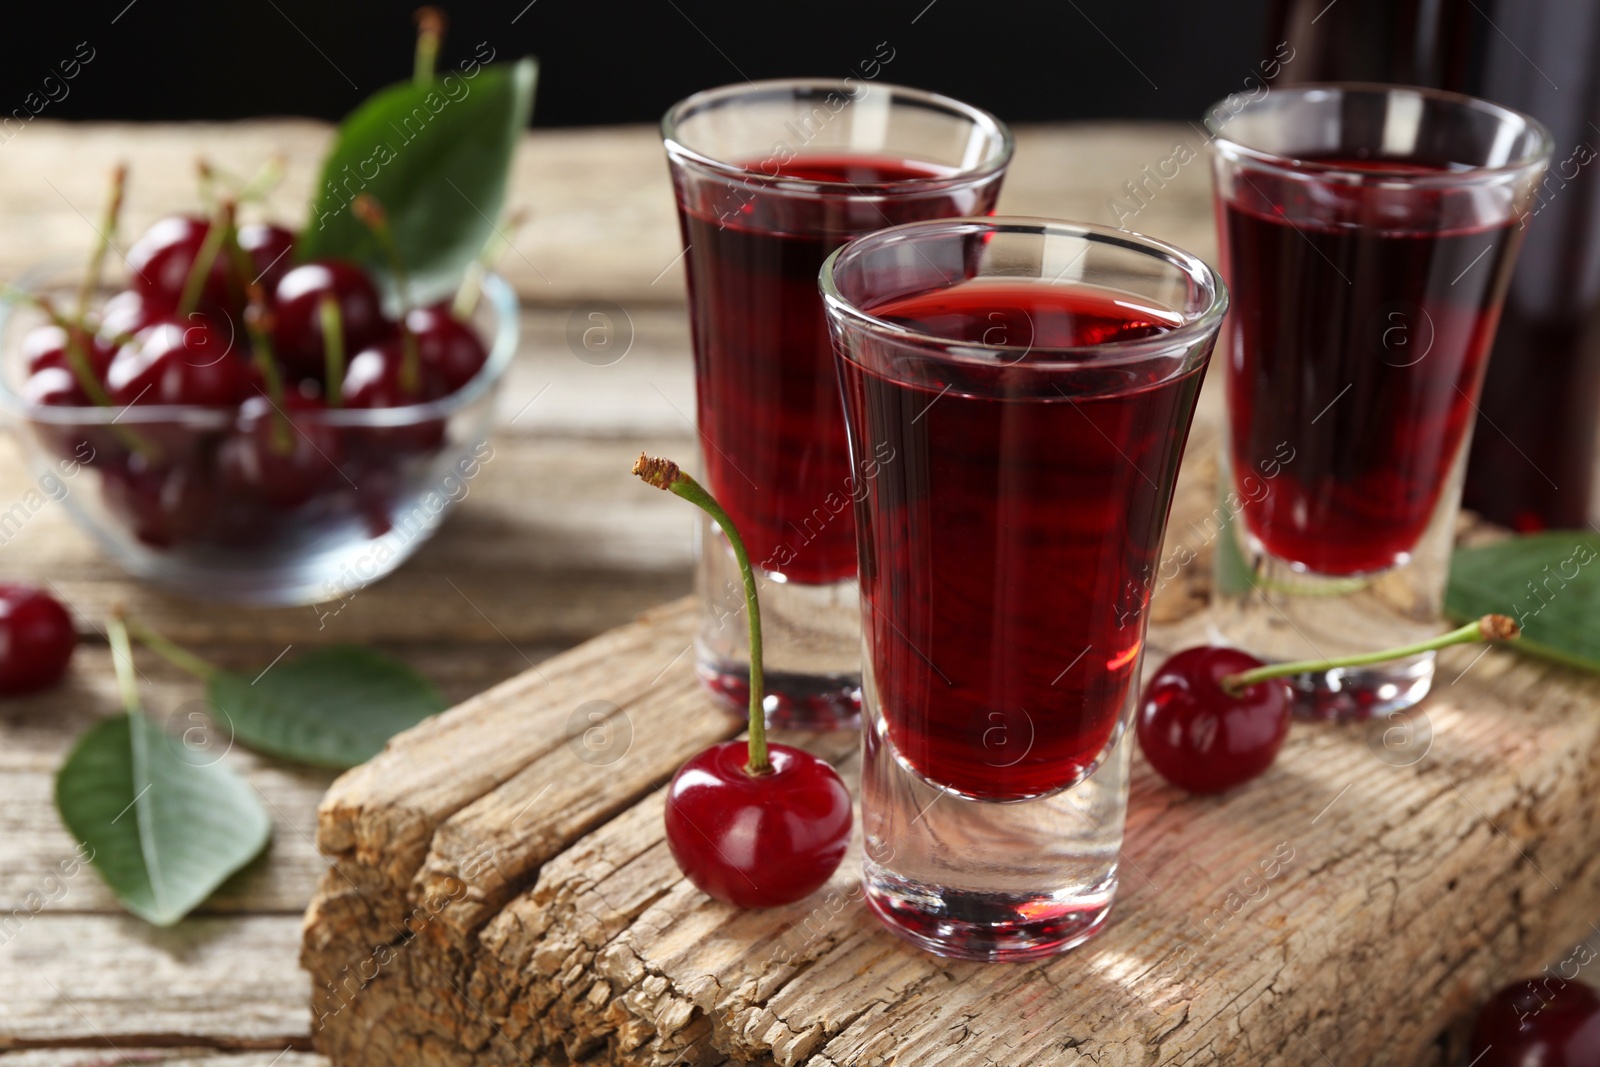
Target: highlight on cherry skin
{"x": 752, "y": 824}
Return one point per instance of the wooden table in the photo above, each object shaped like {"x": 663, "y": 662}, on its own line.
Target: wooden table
{"x": 554, "y": 544}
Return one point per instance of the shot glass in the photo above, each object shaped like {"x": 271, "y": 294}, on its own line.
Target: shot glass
{"x": 1018, "y": 394}
{"x": 1368, "y": 235}
{"x": 770, "y": 178}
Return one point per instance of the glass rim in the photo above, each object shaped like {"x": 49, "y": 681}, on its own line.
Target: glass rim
{"x": 502, "y": 348}
{"x": 679, "y": 151}
{"x": 1539, "y": 153}
{"x": 1185, "y": 335}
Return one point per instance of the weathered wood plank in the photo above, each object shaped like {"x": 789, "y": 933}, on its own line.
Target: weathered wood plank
{"x": 1341, "y": 902}
{"x": 82, "y": 979}
{"x": 601, "y": 219}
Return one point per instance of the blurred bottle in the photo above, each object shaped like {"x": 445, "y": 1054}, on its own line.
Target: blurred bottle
{"x": 1533, "y": 454}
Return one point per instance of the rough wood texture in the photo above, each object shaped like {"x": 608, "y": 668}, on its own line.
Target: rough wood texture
{"x": 1343, "y": 906}
{"x": 222, "y": 982}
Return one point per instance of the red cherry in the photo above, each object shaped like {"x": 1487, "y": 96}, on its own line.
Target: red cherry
{"x": 162, "y": 505}
{"x": 160, "y": 259}
{"x": 125, "y": 315}
{"x": 36, "y": 639}
{"x": 374, "y": 380}
{"x": 1539, "y": 1022}
{"x": 269, "y": 248}
{"x": 83, "y": 442}
{"x": 757, "y": 841}
{"x": 1199, "y": 736}
{"x": 46, "y": 346}
{"x": 448, "y": 345}
{"x": 297, "y": 333}
{"x": 55, "y": 386}
{"x": 176, "y": 362}
{"x": 282, "y": 456}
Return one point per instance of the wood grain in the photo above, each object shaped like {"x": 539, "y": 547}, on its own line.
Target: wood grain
{"x": 601, "y": 221}
{"x": 1343, "y": 906}
{"x": 92, "y": 980}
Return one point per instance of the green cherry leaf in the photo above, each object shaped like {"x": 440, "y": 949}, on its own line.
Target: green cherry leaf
{"x": 1548, "y": 582}
{"x": 335, "y": 707}
{"x": 437, "y": 156}
{"x": 163, "y": 825}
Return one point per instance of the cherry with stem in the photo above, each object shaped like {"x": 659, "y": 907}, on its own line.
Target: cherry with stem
{"x": 750, "y": 823}
{"x": 205, "y": 260}
{"x": 78, "y": 337}
{"x": 376, "y": 219}
{"x": 1212, "y": 718}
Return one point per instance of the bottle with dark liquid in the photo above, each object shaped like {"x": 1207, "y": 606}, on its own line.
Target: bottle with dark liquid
{"x": 1532, "y": 463}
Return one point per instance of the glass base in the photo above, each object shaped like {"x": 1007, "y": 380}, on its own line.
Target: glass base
{"x": 810, "y": 637}
{"x": 794, "y": 701}
{"x": 983, "y": 879}
{"x": 1280, "y": 612}
{"x": 987, "y": 927}
{"x": 1362, "y": 693}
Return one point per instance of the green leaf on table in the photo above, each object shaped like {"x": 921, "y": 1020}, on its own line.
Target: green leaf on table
{"x": 437, "y": 157}
{"x": 166, "y": 825}
{"x": 1548, "y": 582}
{"x": 335, "y": 707}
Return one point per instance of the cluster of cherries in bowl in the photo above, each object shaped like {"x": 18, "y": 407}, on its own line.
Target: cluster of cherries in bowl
{"x": 245, "y": 352}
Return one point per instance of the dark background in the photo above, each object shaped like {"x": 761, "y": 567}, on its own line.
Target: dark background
{"x": 611, "y": 61}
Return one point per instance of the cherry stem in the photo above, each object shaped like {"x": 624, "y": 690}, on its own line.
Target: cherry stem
{"x": 206, "y": 180}
{"x": 665, "y": 474}
{"x": 103, "y": 238}
{"x": 500, "y": 239}
{"x": 122, "y": 660}
{"x": 77, "y": 357}
{"x": 1487, "y": 628}
{"x": 430, "y": 31}
{"x": 370, "y": 212}
{"x": 333, "y": 348}
{"x": 242, "y": 191}
{"x": 216, "y": 234}
{"x": 174, "y": 654}
{"x": 258, "y": 324}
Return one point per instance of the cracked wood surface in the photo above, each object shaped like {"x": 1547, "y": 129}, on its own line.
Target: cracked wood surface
{"x": 1352, "y": 906}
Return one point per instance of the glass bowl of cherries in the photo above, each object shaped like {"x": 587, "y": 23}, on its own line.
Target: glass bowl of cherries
{"x": 239, "y": 424}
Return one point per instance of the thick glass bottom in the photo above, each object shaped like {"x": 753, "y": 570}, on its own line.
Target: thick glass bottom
{"x": 982, "y": 879}
{"x": 793, "y": 701}
{"x": 988, "y": 927}
{"x": 810, "y": 636}
{"x": 1362, "y": 693}
{"x": 1280, "y": 612}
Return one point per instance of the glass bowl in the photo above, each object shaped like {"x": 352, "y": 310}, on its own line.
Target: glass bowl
{"x": 151, "y": 483}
